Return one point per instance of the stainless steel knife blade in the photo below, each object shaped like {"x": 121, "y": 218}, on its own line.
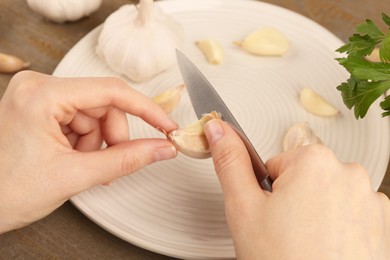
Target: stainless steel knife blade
{"x": 205, "y": 99}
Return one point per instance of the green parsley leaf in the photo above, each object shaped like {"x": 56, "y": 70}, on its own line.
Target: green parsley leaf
{"x": 384, "y": 51}
{"x": 368, "y": 80}
{"x": 363, "y": 69}
{"x": 359, "y": 45}
{"x": 370, "y": 29}
{"x": 361, "y": 94}
{"x": 386, "y": 19}
{"x": 385, "y": 105}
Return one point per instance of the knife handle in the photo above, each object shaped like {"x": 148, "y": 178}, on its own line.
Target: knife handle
{"x": 258, "y": 166}
{"x": 266, "y": 184}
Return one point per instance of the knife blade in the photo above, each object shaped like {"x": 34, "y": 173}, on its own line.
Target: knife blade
{"x": 205, "y": 99}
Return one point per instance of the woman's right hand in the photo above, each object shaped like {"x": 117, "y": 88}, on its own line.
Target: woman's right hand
{"x": 320, "y": 208}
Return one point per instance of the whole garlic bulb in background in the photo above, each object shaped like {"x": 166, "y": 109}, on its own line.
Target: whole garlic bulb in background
{"x": 140, "y": 42}
{"x": 64, "y": 10}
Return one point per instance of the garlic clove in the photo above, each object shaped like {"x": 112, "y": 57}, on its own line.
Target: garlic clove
{"x": 299, "y": 135}
{"x": 169, "y": 99}
{"x": 11, "y": 64}
{"x": 140, "y": 42}
{"x": 212, "y": 50}
{"x": 191, "y": 140}
{"x": 316, "y": 104}
{"x": 265, "y": 42}
{"x": 374, "y": 56}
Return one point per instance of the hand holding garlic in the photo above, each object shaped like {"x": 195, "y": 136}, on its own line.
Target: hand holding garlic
{"x": 140, "y": 42}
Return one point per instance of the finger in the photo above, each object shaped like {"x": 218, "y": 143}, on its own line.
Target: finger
{"x": 86, "y": 93}
{"x": 310, "y": 158}
{"x": 115, "y": 127}
{"x": 231, "y": 160}
{"x": 103, "y": 166}
{"x": 88, "y": 133}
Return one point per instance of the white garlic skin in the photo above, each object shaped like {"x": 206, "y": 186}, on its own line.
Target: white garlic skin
{"x": 299, "y": 135}
{"x": 137, "y": 47}
{"x": 64, "y": 10}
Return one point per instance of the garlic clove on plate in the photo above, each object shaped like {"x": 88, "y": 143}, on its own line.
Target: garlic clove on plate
{"x": 374, "y": 56}
{"x": 64, "y": 10}
{"x": 140, "y": 42}
{"x": 191, "y": 140}
{"x": 299, "y": 135}
{"x": 212, "y": 50}
{"x": 265, "y": 42}
{"x": 11, "y": 64}
{"x": 169, "y": 99}
{"x": 316, "y": 104}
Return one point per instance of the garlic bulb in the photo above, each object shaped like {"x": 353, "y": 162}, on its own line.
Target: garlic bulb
{"x": 140, "y": 42}
{"x": 299, "y": 135}
{"x": 191, "y": 140}
{"x": 64, "y": 10}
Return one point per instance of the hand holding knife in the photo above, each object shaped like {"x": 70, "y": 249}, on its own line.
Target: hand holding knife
{"x": 205, "y": 99}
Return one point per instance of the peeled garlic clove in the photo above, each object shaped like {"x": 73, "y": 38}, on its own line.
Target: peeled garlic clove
{"x": 316, "y": 104}
{"x": 299, "y": 135}
{"x": 169, "y": 99}
{"x": 11, "y": 64}
{"x": 374, "y": 56}
{"x": 140, "y": 42}
{"x": 212, "y": 50}
{"x": 191, "y": 140}
{"x": 265, "y": 42}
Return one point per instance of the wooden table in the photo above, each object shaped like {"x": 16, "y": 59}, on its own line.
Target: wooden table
{"x": 67, "y": 233}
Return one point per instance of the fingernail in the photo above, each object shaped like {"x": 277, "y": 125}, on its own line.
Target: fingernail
{"x": 213, "y": 130}
{"x": 165, "y": 153}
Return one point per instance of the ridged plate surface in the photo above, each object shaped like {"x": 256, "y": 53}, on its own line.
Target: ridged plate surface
{"x": 176, "y": 207}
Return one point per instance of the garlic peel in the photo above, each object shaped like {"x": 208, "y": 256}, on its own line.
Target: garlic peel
{"x": 316, "y": 104}
{"x": 191, "y": 140}
{"x": 169, "y": 99}
{"x": 212, "y": 50}
{"x": 265, "y": 42}
{"x": 140, "y": 42}
{"x": 299, "y": 135}
{"x": 64, "y": 10}
{"x": 11, "y": 64}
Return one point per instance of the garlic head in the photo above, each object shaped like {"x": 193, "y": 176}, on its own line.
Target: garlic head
{"x": 191, "y": 140}
{"x": 140, "y": 42}
{"x": 64, "y": 10}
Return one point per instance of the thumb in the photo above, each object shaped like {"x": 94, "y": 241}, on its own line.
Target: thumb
{"x": 102, "y": 166}
{"x": 231, "y": 160}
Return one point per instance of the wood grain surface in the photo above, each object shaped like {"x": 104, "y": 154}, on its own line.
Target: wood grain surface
{"x": 67, "y": 233}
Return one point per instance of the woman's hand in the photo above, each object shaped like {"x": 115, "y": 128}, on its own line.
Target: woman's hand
{"x": 51, "y": 134}
{"x": 320, "y": 208}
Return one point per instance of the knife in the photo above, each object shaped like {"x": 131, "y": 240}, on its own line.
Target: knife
{"x": 205, "y": 99}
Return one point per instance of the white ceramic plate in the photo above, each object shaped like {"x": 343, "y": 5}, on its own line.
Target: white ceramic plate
{"x": 176, "y": 207}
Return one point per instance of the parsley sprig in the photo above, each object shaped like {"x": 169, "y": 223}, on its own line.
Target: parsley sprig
{"x": 368, "y": 80}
